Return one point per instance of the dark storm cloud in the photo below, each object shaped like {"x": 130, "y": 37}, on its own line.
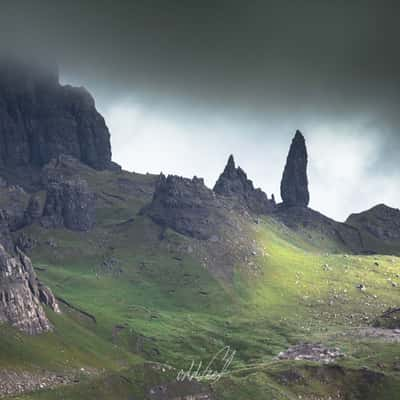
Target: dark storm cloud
{"x": 270, "y": 63}
{"x": 217, "y": 49}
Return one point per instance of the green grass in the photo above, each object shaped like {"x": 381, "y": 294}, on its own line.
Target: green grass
{"x": 170, "y": 309}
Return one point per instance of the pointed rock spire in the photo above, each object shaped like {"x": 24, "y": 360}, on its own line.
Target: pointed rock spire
{"x": 231, "y": 164}
{"x": 233, "y": 182}
{"x": 294, "y": 185}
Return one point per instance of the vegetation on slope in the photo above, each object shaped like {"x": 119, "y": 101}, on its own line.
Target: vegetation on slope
{"x": 130, "y": 295}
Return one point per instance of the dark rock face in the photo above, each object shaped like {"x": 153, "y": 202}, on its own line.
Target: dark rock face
{"x": 381, "y": 221}
{"x": 71, "y": 204}
{"x": 13, "y": 202}
{"x": 40, "y": 119}
{"x": 34, "y": 210}
{"x": 20, "y": 294}
{"x": 185, "y": 205}
{"x": 233, "y": 183}
{"x": 5, "y": 235}
{"x": 316, "y": 226}
{"x": 294, "y": 185}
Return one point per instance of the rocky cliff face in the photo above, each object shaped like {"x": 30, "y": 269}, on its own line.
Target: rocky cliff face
{"x": 41, "y": 119}
{"x": 69, "y": 203}
{"x": 217, "y": 230}
{"x": 294, "y": 185}
{"x": 21, "y": 294}
{"x": 233, "y": 183}
{"x": 381, "y": 221}
{"x": 185, "y": 205}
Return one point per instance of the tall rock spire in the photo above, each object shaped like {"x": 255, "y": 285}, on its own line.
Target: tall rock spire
{"x": 294, "y": 185}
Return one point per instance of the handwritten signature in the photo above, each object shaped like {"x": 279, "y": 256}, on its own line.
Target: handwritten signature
{"x": 211, "y": 372}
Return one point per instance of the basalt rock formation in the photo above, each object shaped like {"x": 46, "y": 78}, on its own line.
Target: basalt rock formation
{"x": 41, "y": 119}
{"x": 34, "y": 210}
{"x": 216, "y": 228}
{"x": 5, "y": 235}
{"x": 381, "y": 222}
{"x": 185, "y": 205}
{"x": 233, "y": 183}
{"x": 21, "y": 294}
{"x": 70, "y": 204}
{"x": 13, "y": 202}
{"x": 294, "y": 185}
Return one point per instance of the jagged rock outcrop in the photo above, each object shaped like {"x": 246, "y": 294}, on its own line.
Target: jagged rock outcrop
{"x": 41, "y": 119}
{"x": 381, "y": 221}
{"x": 294, "y": 185}
{"x": 34, "y": 210}
{"x": 20, "y": 294}
{"x": 13, "y": 202}
{"x": 233, "y": 183}
{"x": 47, "y": 297}
{"x": 185, "y": 205}
{"x": 69, "y": 203}
{"x": 218, "y": 233}
{"x": 5, "y": 235}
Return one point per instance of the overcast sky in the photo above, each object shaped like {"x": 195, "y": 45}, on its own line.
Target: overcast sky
{"x": 182, "y": 84}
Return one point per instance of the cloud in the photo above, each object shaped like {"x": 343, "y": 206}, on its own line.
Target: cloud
{"x": 183, "y": 84}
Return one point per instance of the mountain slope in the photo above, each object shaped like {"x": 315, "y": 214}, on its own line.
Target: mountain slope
{"x": 152, "y": 298}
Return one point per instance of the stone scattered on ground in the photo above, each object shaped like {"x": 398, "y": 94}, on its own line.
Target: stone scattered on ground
{"x": 13, "y": 383}
{"x": 311, "y": 352}
{"x": 389, "y": 335}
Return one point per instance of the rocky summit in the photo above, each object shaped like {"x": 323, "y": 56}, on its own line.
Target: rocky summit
{"x": 294, "y": 184}
{"x": 21, "y": 294}
{"x": 233, "y": 183}
{"x": 41, "y": 119}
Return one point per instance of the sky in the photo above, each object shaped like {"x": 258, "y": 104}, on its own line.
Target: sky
{"x": 183, "y": 84}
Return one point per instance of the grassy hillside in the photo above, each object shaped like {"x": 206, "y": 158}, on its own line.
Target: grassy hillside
{"x": 131, "y": 295}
